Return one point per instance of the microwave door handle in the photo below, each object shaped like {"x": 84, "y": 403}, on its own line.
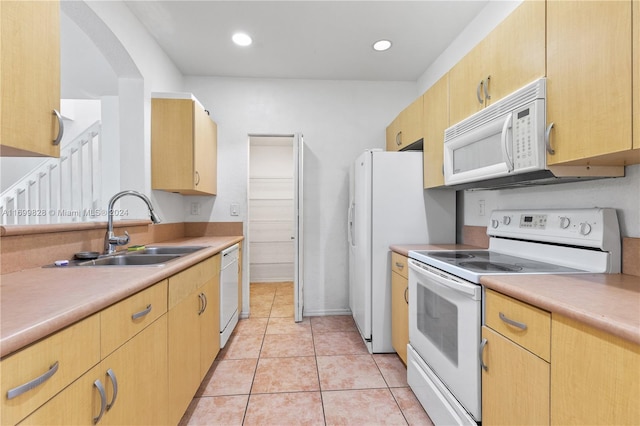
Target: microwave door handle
{"x": 505, "y": 141}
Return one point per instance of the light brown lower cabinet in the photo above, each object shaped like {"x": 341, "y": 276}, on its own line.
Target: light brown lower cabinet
{"x": 399, "y": 304}
{"x": 193, "y": 331}
{"x": 595, "y": 376}
{"x": 515, "y": 385}
{"x": 133, "y": 385}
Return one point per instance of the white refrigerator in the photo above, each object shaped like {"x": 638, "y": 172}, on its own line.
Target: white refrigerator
{"x": 388, "y": 205}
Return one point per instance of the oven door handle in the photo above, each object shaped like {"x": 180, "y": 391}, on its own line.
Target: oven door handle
{"x": 445, "y": 280}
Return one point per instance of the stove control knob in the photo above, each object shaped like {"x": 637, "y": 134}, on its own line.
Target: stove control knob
{"x": 585, "y": 228}
{"x": 565, "y": 222}
{"x": 506, "y": 220}
{"x": 495, "y": 223}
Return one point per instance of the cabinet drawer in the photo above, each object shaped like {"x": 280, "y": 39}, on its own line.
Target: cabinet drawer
{"x": 127, "y": 318}
{"x": 72, "y": 351}
{"x": 185, "y": 282}
{"x": 399, "y": 264}
{"x": 524, "y": 324}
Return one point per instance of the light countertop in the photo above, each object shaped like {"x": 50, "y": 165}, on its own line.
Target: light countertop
{"x": 37, "y": 302}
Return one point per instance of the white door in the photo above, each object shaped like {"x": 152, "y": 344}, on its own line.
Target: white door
{"x": 298, "y": 262}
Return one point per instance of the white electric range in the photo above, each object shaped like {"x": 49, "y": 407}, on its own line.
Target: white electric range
{"x": 445, "y": 298}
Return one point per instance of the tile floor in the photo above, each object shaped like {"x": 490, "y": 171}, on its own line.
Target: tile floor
{"x": 274, "y": 371}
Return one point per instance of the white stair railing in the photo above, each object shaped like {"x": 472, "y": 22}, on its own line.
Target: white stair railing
{"x": 59, "y": 190}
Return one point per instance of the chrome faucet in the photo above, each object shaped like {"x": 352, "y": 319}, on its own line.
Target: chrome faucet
{"x": 110, "y": 239}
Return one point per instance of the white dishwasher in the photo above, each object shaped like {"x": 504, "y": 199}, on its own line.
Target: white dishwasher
{"x": 228, "y": 293}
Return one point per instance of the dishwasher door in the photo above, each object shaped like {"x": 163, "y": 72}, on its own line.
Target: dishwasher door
{"x": 228, "y": 293}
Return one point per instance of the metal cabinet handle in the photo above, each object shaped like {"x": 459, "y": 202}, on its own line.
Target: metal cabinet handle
{"x": 17, "y": 391}
{"x": 520, "y": 325}
{"x": 487, "y": 96}
{"x": 481, "y": 353}
{"x": 479, "y": 92}
{"x": 406, "y": 295}
{"x": 400, "y": 265}
{"x": 399, "y": 138}
{"x": 547, "y": 140}
{"x": 141, "y": 313}
{"x": 114, "y": 382}
{"x": 58, "y": 138}
{"x": 206, "y": 302}
{"x": 203, "y": 303}
{"x": 197, "y": 178}
{"x": 103, "y": 401}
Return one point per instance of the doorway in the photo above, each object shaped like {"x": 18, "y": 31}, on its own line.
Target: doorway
{"x": 275, "y": 220}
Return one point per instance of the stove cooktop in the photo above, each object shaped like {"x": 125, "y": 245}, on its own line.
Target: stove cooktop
{"x": 472, "y": 264}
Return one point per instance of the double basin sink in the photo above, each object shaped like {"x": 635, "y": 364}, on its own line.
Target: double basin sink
{"x": 150, "y": 256}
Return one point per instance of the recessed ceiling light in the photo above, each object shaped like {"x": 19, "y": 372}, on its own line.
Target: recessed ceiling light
{"x": 241, "y": 39}
{"x": 381, "y": 45}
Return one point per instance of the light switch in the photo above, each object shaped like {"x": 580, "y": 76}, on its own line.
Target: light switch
{"x": 195, "y": 209}
{"x": 235, "y": 209}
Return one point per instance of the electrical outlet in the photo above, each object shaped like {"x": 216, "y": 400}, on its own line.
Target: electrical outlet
{"x": 480, "y": 207}
{"x": 195, "y": 209}
{"x": 235, "y": 209}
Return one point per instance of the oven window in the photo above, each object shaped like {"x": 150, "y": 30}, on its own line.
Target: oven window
{"x": 438, "y": 321}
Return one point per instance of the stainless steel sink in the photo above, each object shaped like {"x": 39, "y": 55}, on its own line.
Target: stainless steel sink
{"x": 130, "y": 260}
{"x": 179, "y": 250}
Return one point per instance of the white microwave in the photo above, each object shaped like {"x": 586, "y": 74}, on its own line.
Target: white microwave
{"x": 507, "y": 138}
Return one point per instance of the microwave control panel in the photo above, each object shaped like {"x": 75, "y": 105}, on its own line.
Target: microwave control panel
{"x": 525, "y": 146}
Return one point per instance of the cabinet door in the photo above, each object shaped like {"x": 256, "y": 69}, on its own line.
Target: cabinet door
{"x": 594, "y": 379}
{"x": 205, "y": 152}
{"x": 78, "y": 404}
{"x": 466, "y": 95}
{"x": 436, "y": 121}
{"x": 172, "y": 134}
{"x": 393, "y": 135}
{"x": 30, "y": 78}
{"x": 210, "y": 325}
{"x": 515, "y": 386}
{"x": 399, "y": 315}
{"x": 589, "y": 81}
{"x": 518, "y": 50}
{"x": 184, "y": 354}
{"x": 411, "y": 124}
{"x": 140, "y": 368}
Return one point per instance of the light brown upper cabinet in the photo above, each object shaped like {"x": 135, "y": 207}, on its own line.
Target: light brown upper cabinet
{"x": 589, "y": 55}
{"x": 184, "y": 143}
{"x": 511, "y": 56}
{"x": 406, "y": 128}
{"x": 436, "y": 120}
{"x": 30, "y": 125}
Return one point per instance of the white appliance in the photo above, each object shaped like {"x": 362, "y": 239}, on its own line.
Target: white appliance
{"x": 388, "y": 205}
{"x": 505, "y": 139}
{"x": 228, "y": 293}
{"x": 445, "y": 298}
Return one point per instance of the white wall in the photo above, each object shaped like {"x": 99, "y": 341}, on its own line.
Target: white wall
{"x": 622, "y": 193}
{"x": 339, "y": 119}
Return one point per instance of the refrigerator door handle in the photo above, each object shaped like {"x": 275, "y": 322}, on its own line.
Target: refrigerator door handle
{"x": 350, "y": 224}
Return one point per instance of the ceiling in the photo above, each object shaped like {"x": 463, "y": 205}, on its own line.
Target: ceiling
{"x": 329, "y": 40}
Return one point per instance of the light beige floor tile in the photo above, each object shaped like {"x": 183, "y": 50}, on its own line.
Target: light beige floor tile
{"x": 282, "y": 311}
{"x": 228, "y": 377}
{"x": 393, "y": 370}
{"x": 284, "y": 409}
{"x": 361, "y": 407}
{"x": 254, "y": 325}
{"x": 287, "y": 345}
{"x": 259, "y": 311}
{"x": 286, "y": 375}
{"x": 333, "y": 323}
{"x": 283, "y": 300}
{"x": 242, "y": 347}
{"x": 219, "y": 410}
{"x": 349, "y": 372}
{"x": 339, "y": 343}
{"x": 288, "y": 326}
{"x": 411, "y": 408}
